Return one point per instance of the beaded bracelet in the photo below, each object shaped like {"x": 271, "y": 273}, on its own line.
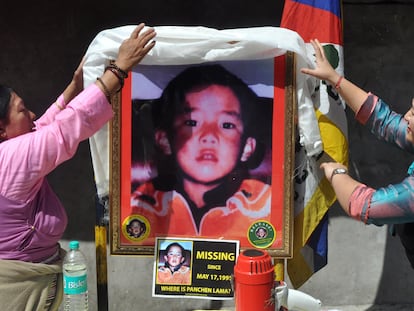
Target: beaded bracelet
{"x": 123, "y": 73}
{"x": 117, "y": 74}
{"x": 105, "y": 89}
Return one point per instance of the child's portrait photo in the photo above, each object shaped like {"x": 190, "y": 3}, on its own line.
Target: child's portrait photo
{"x": 201, "y": 153}
{"x": 174, "y": 260}
{"x": 204, "y": 137}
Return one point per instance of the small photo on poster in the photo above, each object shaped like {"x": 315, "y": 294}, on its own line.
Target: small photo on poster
{"x": 174, "y": 262}
{"x": 194, "y": 268}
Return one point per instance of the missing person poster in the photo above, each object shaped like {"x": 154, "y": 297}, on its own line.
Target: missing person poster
{"x": 201, "y": 143}
{"x": 194, "y": 268}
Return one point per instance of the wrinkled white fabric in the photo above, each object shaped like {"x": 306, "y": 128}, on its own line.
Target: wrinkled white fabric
{"x": 179, "y": 45}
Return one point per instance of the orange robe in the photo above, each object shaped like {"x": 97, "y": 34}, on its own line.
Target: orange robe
{"x": 169, "y": 214}
{"x": 181, "y": 276}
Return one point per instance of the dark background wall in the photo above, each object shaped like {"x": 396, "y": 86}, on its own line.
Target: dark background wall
{"x": 42, "y": 42}
{"x": 378, "y": 40}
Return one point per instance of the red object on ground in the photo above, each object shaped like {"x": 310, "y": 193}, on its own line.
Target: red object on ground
{"x": 254, "y": 281}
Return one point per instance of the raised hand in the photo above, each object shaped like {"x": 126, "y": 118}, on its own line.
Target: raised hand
{"x": 323, "y": 69}
{"x": 134, "y": 49}
{"x": 130, "y": 53}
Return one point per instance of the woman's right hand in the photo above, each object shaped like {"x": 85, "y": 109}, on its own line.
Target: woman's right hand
{"x": 130, "y": 53}
{"x": 133, "y": 49}
{"x": 323, "y": 69}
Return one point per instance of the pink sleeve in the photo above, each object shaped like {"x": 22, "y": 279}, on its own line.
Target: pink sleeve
{"x": 359, "y": 202}
{"x": 26, "y": 159}
{"x": 49, "y": 116}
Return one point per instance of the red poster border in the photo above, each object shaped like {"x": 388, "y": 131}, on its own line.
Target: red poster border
{"x": 282, "y": 135}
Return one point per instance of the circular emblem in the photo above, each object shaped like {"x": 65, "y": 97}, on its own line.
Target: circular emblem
{"x": 136, "y": 228}
{"x": 262, "y": 234}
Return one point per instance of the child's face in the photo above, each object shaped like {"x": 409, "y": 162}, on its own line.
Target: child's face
{"x": 261, "y": 232}
{"x": 174, "y": 256}
{"x": 136, "y": 228}
{"x": 208, "y": 134}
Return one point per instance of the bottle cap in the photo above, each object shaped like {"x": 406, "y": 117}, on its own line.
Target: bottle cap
{"x": 74, "y": 245}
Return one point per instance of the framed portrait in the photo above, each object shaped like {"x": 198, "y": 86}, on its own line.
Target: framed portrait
{"x": 204, "y": 150}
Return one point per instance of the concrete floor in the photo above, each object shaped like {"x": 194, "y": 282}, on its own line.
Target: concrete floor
{"x": 389, "y": 307}
{"x": 368, "y": 308}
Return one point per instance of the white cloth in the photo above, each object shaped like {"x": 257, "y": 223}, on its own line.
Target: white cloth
{"x": 179, "y": 45}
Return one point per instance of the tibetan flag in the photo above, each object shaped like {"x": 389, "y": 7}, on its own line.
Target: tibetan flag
{"x": 316, "y": 19}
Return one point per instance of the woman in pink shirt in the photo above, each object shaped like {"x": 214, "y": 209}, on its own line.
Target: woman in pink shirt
{"x": 32, "y": 219}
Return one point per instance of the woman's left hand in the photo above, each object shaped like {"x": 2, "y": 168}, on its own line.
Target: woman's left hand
{"x": 76, "y": 85}
{"x": 329, "y": 167}
{"x": 77, "y": 79}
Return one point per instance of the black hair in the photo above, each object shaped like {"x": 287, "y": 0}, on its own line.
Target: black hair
{"x": 166, "y": 264}
{"x": 252, "y": 106}
{"x": 158, "y": 114}
{"x": 176, "y": 245}
{"x": 173, "y": 96}
{"x": 5, "y": 94}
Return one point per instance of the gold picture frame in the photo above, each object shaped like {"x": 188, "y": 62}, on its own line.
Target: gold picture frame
{"x": 279, "y": 224}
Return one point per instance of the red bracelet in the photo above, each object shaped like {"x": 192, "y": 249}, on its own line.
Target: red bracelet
{"x": 338, "y": 84}
{"x": 122, "y": 72}
{"x": 116, "y": 73}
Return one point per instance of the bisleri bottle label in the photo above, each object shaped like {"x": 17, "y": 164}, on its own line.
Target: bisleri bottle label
{"x": 73, "y": 285}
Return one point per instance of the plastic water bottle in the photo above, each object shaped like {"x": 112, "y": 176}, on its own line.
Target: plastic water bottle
{"x": 75, "y": 281}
